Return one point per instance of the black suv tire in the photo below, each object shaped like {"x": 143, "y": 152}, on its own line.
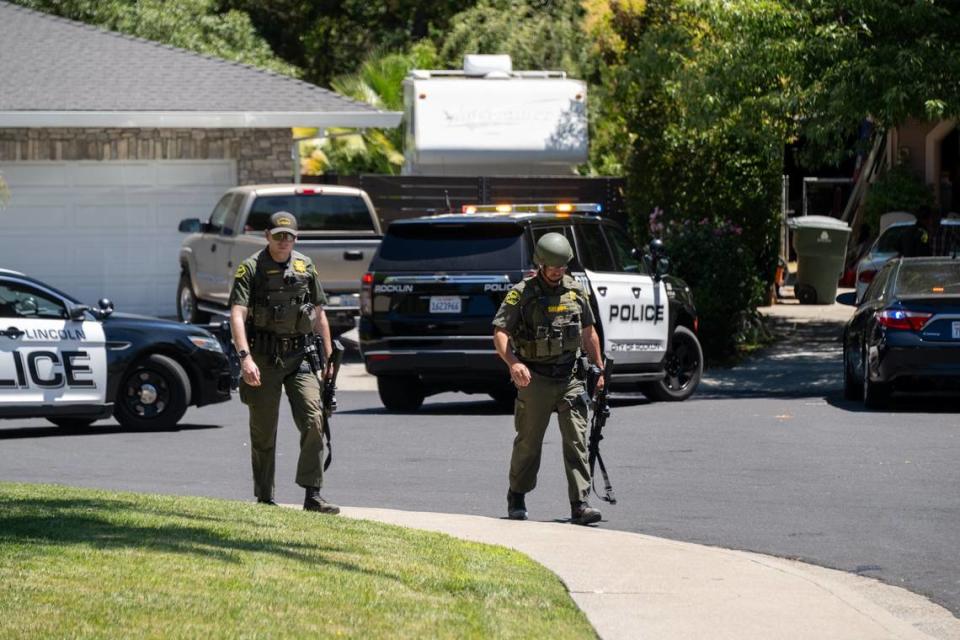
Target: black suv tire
{"x": 402, "y": 394}
{"x": 683, "y": 363}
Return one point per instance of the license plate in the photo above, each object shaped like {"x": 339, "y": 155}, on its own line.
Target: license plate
{"x": 445, "y": 304}
{"x": 955, "y": 326}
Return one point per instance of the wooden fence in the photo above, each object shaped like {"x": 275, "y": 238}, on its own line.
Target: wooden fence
{"x": 397, "y": 197}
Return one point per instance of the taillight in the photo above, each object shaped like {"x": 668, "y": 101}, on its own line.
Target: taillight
{"x": 903, "y": 320}
{"x": 866, "y": 276}
{"x": 366, "y": 294}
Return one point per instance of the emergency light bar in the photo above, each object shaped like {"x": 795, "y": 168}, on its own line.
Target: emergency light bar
{"x": 554, "y": 207}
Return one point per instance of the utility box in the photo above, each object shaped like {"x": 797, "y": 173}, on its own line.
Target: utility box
{"x": 487, "y": 119}
{"x": 821, "y": 246}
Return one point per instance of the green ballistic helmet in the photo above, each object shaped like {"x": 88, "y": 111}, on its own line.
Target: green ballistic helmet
{"x": 553, "y": 250}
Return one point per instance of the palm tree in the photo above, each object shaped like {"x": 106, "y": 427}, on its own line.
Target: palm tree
{"x": 379, "y": 83}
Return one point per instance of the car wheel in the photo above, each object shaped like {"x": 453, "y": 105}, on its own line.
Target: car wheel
{"x": 400, "y": 393}
{"x": 187, "y": 310}
{"x": 852, "y": 389}
{"x": 806, "y": 294}
{"x": 683, "y": 364}
{"x": 154, "y": 394}
{"x": 876, "y": 395}
{"x": 71, "y": 424}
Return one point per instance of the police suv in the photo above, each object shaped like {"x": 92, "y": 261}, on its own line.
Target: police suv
{"x": 72, "y": 364}
{"x": 434, "y": 285}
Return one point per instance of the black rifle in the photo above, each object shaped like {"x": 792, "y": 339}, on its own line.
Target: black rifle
{"x": 601, "y": 411}
{"x": 328, "y": 395}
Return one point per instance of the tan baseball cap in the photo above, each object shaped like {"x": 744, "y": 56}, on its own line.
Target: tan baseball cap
{"x": 283, "y": 222}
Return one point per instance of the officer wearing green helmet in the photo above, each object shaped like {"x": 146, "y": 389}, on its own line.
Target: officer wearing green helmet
{"x": 276, "y": 304}
{"x": 542, "y": 326}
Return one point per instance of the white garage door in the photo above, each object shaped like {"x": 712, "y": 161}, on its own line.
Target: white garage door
{"x": 107, "y": 229}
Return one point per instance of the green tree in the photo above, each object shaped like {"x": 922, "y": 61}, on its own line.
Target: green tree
{"x": 888, "y": 59}
{"x": 378, "y": 82}
{"x": 329, "y": 38}
{"x": 537, "y": 34}
{"x": 195, "y": 25}
{"x": 698, "y": 100}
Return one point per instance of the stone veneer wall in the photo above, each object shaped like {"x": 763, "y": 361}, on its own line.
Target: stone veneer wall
{"x": 262, "y": 155}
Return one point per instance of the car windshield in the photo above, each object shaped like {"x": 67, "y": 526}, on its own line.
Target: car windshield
{"x": 928, "y": 278}
{"x": 891, "y": 239}
{"x": 451, "y": 247}
{"x": 314, "y": 212}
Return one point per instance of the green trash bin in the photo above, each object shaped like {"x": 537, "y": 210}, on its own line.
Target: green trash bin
{"x": 821, "y": 246}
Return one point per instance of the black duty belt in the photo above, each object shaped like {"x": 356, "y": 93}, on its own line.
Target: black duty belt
{"x": 558, "y": 371}
{"x": 264, "y": 342}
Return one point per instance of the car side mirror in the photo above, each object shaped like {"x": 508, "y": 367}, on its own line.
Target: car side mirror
{"x": 78, "y": 312}
{"x": 849, "y": 298}
{"x": 190, "y": 225}
{"x": 655, "y": 260}
{"x": 663, "y": 266}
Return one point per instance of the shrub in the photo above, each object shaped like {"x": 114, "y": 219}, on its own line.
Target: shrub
{"x": 713, "y": 257}
{"x": 899, "y": 189}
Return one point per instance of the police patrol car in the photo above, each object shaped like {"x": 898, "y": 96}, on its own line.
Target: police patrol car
{"x": 72, "y": 364}
{"x": 434, "y": 285}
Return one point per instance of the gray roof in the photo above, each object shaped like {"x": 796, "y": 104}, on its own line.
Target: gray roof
{"x": 53, "y": 65}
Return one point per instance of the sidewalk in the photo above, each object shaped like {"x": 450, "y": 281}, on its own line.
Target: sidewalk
{"x": 636, "y": 586}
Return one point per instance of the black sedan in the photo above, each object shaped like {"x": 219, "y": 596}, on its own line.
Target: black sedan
{"x": 905, "y": 334}
{"x": 73, "y": 364}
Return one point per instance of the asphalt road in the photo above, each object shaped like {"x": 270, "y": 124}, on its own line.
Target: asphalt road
{"x": 766, "y": 457}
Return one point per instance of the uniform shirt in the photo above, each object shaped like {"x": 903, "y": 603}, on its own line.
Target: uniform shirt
{"x": 241, "y": 292}
{"x": 524, "y": 295}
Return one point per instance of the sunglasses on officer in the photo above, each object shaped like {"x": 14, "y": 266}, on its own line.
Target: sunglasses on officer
{"x": 283, "y": 237}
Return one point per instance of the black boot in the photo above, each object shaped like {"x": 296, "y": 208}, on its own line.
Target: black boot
{"x": 315, "y": 502}
{"x": 267, "y": 501}
{"x": 516, "y": 508}
{"x": 583, "y": 513}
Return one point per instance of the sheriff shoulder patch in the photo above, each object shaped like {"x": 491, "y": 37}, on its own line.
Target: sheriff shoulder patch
{"x": 299, "y": 266}
{"x": 241, "y": 271}
{"x": 512, "y": 298}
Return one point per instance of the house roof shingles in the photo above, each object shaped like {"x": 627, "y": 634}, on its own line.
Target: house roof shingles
{"x": 51, "y": 64}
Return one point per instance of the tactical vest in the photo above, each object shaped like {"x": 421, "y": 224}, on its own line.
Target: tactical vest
{"x": 281, "y": 297}
{"x": 549, "y": 323}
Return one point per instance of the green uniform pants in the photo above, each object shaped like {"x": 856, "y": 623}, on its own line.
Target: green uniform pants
{"x": 535, "y": 403}
{"x": 303, "y": 392}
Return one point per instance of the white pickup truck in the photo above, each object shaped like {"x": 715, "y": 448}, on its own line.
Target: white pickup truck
{"x": 339, "y": 231}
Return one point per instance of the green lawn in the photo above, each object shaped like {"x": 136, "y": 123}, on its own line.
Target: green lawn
{"x": 94, "y": 564}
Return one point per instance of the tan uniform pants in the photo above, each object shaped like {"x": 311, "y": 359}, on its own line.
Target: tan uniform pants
{"x": 535, "y": 404}
{"x": 303, "y": 392}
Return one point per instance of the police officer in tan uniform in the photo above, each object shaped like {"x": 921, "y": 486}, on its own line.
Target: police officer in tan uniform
{"x": 539, "y": 331}
{"x": 276, "y": 305}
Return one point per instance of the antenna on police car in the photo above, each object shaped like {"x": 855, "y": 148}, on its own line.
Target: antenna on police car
{"x": 446, "y": 196}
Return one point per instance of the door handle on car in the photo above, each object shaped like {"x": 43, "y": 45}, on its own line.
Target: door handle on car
{"x": 353, "y": 255}
{"x": 602, "y": 291}
{"x": 12, "y": 332}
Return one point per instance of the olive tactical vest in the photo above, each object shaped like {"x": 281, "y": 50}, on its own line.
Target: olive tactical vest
{"x": 280, "y": 296}
{"x": 549, "y": 322}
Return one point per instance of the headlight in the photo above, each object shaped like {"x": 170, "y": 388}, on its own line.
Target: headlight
{"x": 203, "y": 342}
